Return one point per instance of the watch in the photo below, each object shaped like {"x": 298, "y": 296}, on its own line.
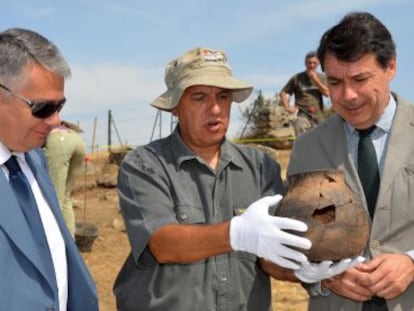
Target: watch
{"x": 316, "y": 289}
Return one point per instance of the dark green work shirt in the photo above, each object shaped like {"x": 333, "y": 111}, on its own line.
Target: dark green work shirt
{"x": 165, "y": 183}
{"x": 307, "y": 95}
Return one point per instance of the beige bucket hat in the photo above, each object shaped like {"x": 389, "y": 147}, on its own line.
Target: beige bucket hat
{"x": 199, "y": 66}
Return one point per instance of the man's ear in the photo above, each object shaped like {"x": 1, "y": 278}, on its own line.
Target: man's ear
{"x": 392, "y": 68}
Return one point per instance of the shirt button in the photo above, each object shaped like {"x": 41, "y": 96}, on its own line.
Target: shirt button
{"x": 374, "y": 244}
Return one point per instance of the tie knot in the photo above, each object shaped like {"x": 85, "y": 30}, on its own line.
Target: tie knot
{"x": 12, "y": 165}
{"x": 366, "y": 132}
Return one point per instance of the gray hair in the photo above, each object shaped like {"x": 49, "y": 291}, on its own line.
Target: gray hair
{"x": 20, "y": 48}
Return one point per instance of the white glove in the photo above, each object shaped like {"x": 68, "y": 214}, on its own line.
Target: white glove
{"x": 310, "y": 272}
{"x": 257, "y": 232}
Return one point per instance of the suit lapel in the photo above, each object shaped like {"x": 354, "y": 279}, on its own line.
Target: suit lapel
{"x": 334, "y": 145}
{"x": 45, "y": 184}
{"x": 79, "y": 280}
{"x": 331, "y": 140}
{"x": 402, "y": 133}
{"x": 47, "y": 187}
{"x": 13, "y": 222}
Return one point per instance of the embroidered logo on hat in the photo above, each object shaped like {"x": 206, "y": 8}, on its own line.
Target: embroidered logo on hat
{"x": 215, "y": 56}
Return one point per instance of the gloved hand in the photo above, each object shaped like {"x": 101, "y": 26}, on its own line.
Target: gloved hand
{"x": 310, "y": 272}
{"x": 257, "y": 232}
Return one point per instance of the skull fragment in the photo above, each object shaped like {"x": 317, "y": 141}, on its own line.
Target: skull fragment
{"x": 338, "y": 225}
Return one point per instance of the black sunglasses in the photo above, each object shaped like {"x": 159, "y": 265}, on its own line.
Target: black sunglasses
{"x": 41, "y": 109}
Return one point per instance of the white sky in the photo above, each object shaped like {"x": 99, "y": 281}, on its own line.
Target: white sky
{"x": 118, "y": 49}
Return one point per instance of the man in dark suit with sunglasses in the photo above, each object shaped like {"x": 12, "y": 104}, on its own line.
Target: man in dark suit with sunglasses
{"x": 40, "y": 266}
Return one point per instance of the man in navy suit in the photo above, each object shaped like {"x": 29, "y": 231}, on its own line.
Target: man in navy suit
{"x": 32, "y": 75}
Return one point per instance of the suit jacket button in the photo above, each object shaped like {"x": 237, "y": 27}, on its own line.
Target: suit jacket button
{"x": 374, "y": 244}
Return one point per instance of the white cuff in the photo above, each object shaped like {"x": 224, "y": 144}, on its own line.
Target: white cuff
{"x": 411, "y": 254}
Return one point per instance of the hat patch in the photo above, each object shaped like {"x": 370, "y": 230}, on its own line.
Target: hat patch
{"x": 214, "y": 56}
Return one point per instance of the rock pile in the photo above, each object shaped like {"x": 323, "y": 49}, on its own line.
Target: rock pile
{"x": 275, "y": 125}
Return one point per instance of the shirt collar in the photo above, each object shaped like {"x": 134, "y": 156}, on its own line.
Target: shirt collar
{"x": 384, "y": 122}
{"x": 182, "y": 153}
{"x": 5, "y": 154}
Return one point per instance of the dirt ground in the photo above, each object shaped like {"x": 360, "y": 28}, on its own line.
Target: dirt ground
{"x": 99, "y": 206}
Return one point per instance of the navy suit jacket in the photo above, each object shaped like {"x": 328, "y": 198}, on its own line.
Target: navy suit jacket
{"x": 24, "y": 283}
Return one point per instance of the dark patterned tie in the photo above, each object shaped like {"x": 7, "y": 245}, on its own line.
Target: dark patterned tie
{"x": 368, "y": 168}
{"x": 27, "y": 202}
{"x": 370, "y": 179}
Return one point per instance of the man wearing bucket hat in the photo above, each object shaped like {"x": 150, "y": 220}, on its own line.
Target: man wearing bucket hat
{"x": 191, "y": 203}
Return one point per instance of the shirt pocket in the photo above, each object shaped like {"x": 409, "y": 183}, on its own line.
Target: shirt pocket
{"x": 190, "y": 214}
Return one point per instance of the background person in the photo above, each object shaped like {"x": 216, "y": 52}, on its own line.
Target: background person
{"x": 308, "y": 87}
{"x": 40, "y": 266}
{"x": 358, "y": 56}
{"x": 65, "y": 153}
